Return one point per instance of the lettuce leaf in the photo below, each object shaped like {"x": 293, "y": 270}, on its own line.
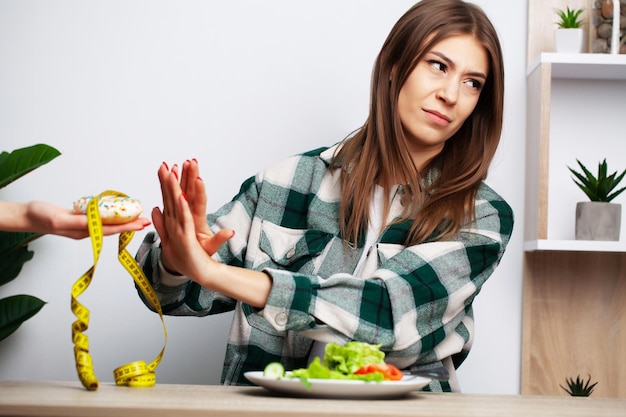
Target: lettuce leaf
{"x": 340, "y": 362}
{"x": 351, "y": 356}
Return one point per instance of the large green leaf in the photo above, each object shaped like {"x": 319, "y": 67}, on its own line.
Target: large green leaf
{"x": 12, "y": 240}
{"x": 14, "y": 246}
{"x": 15, "y": 310}
{"x": 11, "y": 263}
{"x": 22, "y": 161}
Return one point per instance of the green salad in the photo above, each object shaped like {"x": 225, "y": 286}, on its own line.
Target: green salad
{"x": 354, "y": 360}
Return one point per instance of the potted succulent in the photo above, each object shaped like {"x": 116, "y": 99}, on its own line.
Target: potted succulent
{"x": 14, "y": 252}
{"x": 578, "y": 387}
{"x": 569, "y": 36}
{"x": 598, "y": 219}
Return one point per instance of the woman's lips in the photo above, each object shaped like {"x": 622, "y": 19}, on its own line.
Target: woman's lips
{"x": 438, "y": 118}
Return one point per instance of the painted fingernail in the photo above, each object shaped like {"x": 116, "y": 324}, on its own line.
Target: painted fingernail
{"x": 195, "y": 160}
{"x": 185, "y": 196}
{"x": 200, "y": 179}
{"x": 166, "y": 166}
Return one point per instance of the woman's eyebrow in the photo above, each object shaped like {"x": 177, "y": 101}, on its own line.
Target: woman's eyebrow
{"x": 451, "y": 64}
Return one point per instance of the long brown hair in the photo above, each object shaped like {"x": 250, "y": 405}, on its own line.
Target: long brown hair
{"x": 377, "y": 153}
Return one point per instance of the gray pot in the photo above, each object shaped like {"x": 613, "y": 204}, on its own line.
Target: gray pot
{"x": 598, "y": 221}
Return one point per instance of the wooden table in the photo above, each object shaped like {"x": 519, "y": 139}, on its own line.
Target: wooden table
{"x": 28, "y": 398}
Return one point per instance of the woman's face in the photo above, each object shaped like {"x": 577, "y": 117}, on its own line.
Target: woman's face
{"x": 440, "y": 94}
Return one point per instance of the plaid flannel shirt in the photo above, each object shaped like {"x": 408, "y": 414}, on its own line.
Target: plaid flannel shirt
{"x": 416, "y": 301}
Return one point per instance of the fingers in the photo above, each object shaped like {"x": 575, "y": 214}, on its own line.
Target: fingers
{"x": 189, "y": 173}
{"x": 133, "y": 226}
{"x": 192, "y": 187}
{"x": 160, "y": 227}
{"x": 159, "y": 223}
{"x": 190, "y": 176}
{"x": 184, "y": 177}
{"x": 212, "y": 245}
{"x": 164, "y": 174}
{"x": 196, "y": 194}
{"x": 199, "y": 200}
{"x": 185, "y": 218}
{"x": 170, "y": 188}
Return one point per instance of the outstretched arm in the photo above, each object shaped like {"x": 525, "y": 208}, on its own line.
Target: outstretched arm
{"x": 47, "y": 218}
{"x": 187, "y": 242}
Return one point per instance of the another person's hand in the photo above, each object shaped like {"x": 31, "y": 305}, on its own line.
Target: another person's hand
{"x": 182, "y": 225}
{"x": 47, "y": 218}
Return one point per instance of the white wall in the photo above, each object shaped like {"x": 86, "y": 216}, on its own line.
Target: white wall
{"x": 119, "y": 86}
{"x": 572, "y": 129}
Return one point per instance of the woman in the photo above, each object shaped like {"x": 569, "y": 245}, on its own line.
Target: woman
{"x": 385, "y": 238}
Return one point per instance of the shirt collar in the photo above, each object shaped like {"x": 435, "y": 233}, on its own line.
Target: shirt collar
{"x": 328, "y": 154}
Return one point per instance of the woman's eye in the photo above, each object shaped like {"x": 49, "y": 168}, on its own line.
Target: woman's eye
{"x": 439, "y": 66}
{"x": 474, "y": 84}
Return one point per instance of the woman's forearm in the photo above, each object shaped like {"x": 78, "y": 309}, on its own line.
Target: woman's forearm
{"x": 246, "y": 285}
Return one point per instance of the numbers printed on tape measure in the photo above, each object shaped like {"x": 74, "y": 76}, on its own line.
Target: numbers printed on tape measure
{"x": 134, "y": 374}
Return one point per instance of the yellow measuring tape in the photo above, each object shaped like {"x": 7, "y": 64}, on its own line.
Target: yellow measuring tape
{"x": 134, "y": 374}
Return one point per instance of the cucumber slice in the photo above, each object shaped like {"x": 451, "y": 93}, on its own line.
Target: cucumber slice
{"x": 274, "y": 370}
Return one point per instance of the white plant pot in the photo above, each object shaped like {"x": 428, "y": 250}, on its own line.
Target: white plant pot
{"x": 598, "y": 221}
{"x": 569, "y": 41}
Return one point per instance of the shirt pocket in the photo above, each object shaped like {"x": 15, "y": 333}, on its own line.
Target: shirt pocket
{"x": 292, "y": 249}
{"x": 258, "y": 323}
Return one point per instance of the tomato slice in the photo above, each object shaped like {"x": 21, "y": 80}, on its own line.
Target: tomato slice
{"x": 389, "y": 372}
{"x": 394, "y": 373}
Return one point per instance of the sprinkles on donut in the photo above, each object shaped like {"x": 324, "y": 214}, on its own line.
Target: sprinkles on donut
{"x": 113, "y": 209}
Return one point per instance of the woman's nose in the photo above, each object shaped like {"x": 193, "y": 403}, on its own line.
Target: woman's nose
{"x": 448, "y": 92}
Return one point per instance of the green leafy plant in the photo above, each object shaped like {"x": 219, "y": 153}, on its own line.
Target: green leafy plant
{"x": 569, "y": 18}
{"x": 14, "y": 252}
{"x": 579, "y": 387}
{"x": 600, "y": 188}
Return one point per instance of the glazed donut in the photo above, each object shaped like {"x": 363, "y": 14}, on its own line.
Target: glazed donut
{"x": 113, "y": 209}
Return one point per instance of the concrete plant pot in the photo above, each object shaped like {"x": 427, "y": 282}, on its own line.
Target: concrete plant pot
{"x": 598, "y": 221}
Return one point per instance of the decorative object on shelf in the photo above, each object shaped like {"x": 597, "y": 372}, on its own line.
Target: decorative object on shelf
{"x": 608, "y": 26}
{"x": 569, "y": 36}
{"x": 578, "y": 387}
{"x": 598, "y": 219}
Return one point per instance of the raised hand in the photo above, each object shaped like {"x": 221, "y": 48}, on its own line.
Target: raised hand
{"x": 182, "y": 224}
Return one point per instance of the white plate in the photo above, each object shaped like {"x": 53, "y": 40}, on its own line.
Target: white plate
{"x": 338, "y": 388}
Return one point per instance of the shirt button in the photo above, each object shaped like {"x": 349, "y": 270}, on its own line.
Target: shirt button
{"x": 291, "y": 252}
{"x": 281, "y": 318}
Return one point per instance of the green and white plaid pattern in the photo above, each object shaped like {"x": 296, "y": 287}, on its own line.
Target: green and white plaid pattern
{"x": 415, "y": 301}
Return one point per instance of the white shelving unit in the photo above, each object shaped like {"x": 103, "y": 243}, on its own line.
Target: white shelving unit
{"x": 549, "y": 69}
{"x": 574, "y": 291}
